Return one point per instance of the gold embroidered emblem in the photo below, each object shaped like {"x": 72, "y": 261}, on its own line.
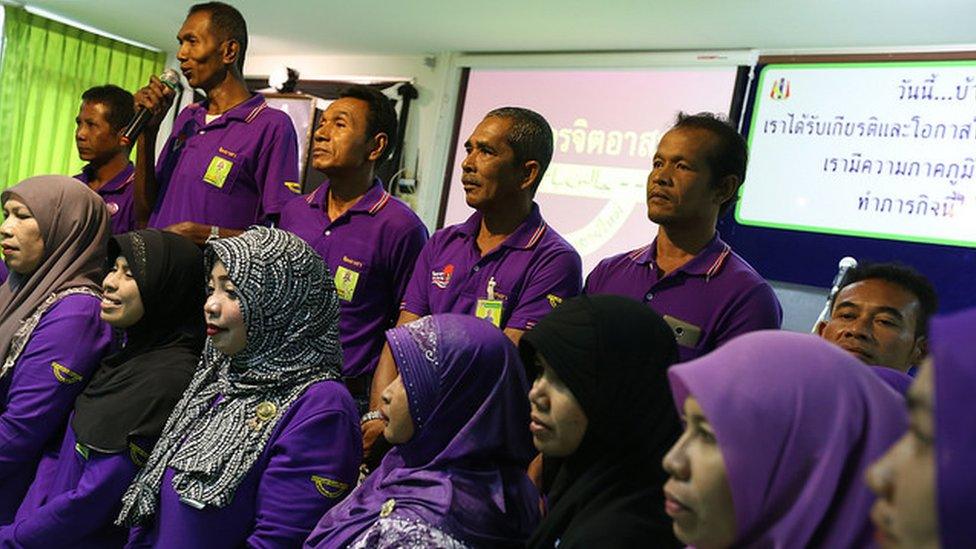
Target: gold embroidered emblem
{"x": 328, "y": 487}
{"x": 554, "y": 300}
{"x": 137, "y": 455}
{"x": 262, "y": 413}
{"x": 64, "y": 374}
{"x": 294, "y": 187}
{"x": 387, "y": 508}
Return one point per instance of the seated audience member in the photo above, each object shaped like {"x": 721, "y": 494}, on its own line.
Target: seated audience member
{"x": 704, "y": 290}
{"x": 105, "y": 111}
{"x": 925, "y": 483}
{"x": 266, "y": 438}
{"x": 602, "y": 406}
{"x": 369, "y": 239}
{"x": 154, "y": 292}
{"x": 51, "y": 337}
{"x": 881, "y": 315}
{"x": 231, "y": 160}
{"x": 504, "y": 263}
{"x": 457, "y": 416}
{"x": 779, "y": 428}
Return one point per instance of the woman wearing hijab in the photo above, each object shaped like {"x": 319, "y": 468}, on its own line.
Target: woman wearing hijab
{"x": 456, "y": 475}
{"x": 779, "y": 428}
{"x": 602, "y": 411}
{"x": 51, "y": 337}
{"x": 154, "y": 292}
{"x": 925, "y": 483}
{"x": 266, "y": 438}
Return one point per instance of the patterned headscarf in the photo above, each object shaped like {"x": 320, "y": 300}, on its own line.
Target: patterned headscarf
{"x": 227, "y": 415}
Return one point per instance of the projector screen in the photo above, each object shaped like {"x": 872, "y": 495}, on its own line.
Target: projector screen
{"x": 606, "y": 125}
{"x": 878, "y": 150}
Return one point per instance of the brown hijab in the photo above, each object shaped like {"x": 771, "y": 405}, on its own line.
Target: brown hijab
{"x": 74, "y": 225}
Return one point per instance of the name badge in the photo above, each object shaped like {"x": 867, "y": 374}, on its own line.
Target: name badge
{"x": 218, "y": 171}
{"x": 345, "y": 283}
{"x": 687, "y": 335}
{"x": 490, "y": 310}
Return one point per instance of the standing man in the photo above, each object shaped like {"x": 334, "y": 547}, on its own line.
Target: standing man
{"x": 369, "y": 239}
{"x": 231, "y": 161}
{"x": 503, "y": 264}
{"x": 104, "y": 113}
{"x": 706, "y": 292}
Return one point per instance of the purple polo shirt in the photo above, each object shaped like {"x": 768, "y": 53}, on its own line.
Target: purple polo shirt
{"x": 316, "y": 444}
{"x": 707, "y": 301}
{"x": 77, "y": 506}
{"x": 3, "y": 272}
{"x": 233, "y": 172}
{"x": 37, "y": 396}
{"x": 533, "y": 270}
{"x": 370, "y": 250}
{"x": 118, "y": 196}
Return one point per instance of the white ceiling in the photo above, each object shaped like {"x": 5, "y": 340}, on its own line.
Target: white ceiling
{"x": 431, "y": 26}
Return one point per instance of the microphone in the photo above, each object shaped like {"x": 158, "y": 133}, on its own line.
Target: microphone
{"x": 843, "y": 268}
{"x": 169, "y": 77}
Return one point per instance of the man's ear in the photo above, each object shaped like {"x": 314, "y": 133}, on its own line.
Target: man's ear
{"x": 726, "y": 188}
{"x": 530, "y": 174}
{"x": 820, "y": 328}
{"x": 230, "y": 49}
{"x": 378, "y": 147}
{"x": 920, "y": 351}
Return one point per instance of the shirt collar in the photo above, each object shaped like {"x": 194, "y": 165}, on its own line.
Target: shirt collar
{"x": 375, "y": 199}
{"x": 706, "y": 263}
{"x": 244, "y": 112}
{"x": 117, "y": 183}
{"x": 526, "y": 235}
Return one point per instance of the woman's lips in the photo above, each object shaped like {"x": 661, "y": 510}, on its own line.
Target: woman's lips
{"x": 673, "y": 507}
{"x": 536, "y": 426}
{"x": 213, "y": 330}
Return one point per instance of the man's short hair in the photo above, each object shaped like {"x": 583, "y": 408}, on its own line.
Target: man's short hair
{"x": 729, "y": 155}
{"x": 906, "y": 278}
{"x": 227, "y": 24}
{"x": 120, "y": 104}
{"x": 530, "y": 137}
{"x": 381, "y": 117}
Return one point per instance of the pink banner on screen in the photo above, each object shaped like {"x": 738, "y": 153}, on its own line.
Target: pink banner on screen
{"x": 606, "y": 125}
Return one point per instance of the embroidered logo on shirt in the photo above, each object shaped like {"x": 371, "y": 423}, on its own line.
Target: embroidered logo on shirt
{"x": 554, "y": 300}
{"x": 294, "y": 187}
{"x": 225, "y": 152}
{"x": 113, "y": 208}
{"x": 442, "y": 278}
{"x": 352, "y": 262}
{"x": 64, "y": 374}
{"x": 137, "y": 455}
{"x": 345, "y": 283}
{"x": 387, "y": 508}
{"x": 328, "y": 487}
{"x": 218, "y": 171}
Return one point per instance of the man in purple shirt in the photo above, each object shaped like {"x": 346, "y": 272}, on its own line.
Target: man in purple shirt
{"x": 104, "y": 113}
{"x": 231, "y": 160}
{"x": 503, "y": 264}
{"x": 687, "y": 274}
{"x": 369, "y": 239}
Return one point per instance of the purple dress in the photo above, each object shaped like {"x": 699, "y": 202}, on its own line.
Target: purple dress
{"x": 314, "y": 449}
{"x": 37, "y": 395}
{"x": 797, "y": 420}
{"x": 953, "y": 350}
{"x": 462, "y": 475}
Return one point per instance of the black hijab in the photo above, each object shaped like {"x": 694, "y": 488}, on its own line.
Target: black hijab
{"x": 613, "y": 354}
{"x": 134, "y": 390}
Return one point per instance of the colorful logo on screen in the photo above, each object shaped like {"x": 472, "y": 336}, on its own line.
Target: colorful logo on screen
{"x": 442, "y": 278}
{"x": 780, "y": 89}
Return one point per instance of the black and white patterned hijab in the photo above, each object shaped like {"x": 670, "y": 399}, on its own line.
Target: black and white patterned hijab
{"x": 225, "y": 418}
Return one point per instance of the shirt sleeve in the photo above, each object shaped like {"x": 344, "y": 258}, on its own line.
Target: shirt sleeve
{"x": 594, "y": 280}
{"x": 404, "y": 259}
{"x": 415, "y": 298}
{"x": 313, "y": 465}
{"x": 554, "y": 278}
{"x": 62, "y": 354}
{"x": 756, "y": 309}
{"x": 276, "y": 169}
{"x": 76, "y": 514}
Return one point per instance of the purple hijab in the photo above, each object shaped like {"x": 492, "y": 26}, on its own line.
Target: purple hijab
{"x": 953, "y": 349}
{"x": 797, "y": 420}
{"x": 463, "y": 471}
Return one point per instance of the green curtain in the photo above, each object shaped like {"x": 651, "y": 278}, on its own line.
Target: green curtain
{"x": 45, "y": 67}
